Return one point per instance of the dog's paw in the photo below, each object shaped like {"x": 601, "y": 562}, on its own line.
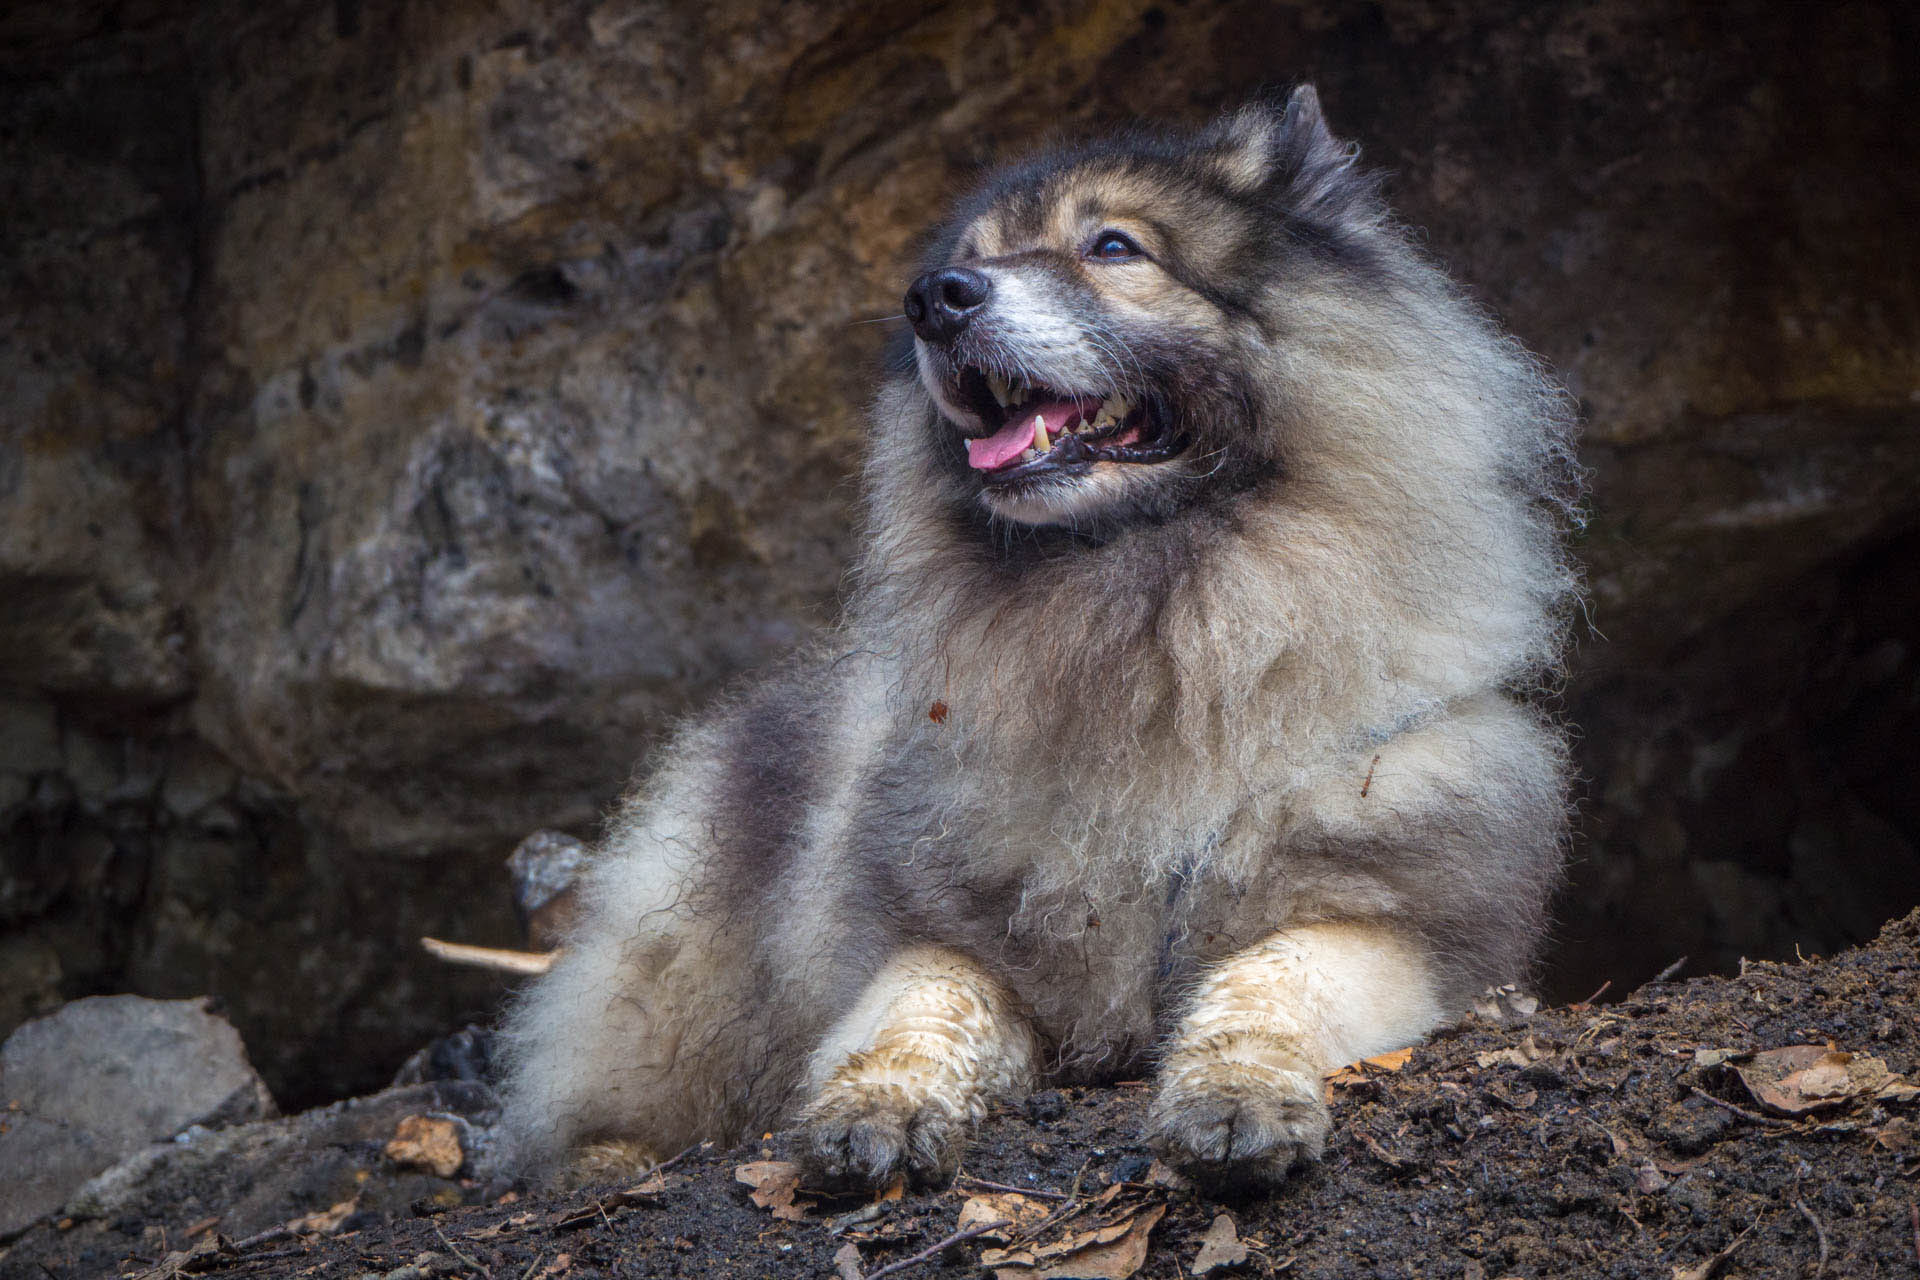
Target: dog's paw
{"x": 864, "y": 1135}
{"x": 1230, "y": 1124}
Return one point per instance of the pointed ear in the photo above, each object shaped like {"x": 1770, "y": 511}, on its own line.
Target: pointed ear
{"x": 1241, "y": 146}
{"x": 1262, "y": 142}
{"x": 1311, "y": 158}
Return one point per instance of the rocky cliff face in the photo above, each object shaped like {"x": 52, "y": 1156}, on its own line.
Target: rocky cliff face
{"x": 410, "y": 409}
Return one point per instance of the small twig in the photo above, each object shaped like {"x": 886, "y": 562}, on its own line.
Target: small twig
{"x": 538, "y": 1258}
{"x": 1820, "y": 1232}
{"x": 1596, "y": 995}
{"x": 665, "y": 1165}
{"x": 495, "y": 958}
{"x": 1006, "y": 1186}
{"x": 455, "y": 1250}
{"x": 270, "y": 1255}
{"x": 1742, "y": 1112}
{"x": 1668, "y": 972}
{"x": 1068, "y": 1209}
{"x": 939, "y": 1246}
{"x": 1713, "y": 1266}
{"x": 271, "y": 1234}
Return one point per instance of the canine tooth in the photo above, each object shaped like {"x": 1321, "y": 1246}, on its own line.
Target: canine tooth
{"x": 998, "y": 385}
{"x": 1040, "y": 440}
{"x": 1110, "y": 408}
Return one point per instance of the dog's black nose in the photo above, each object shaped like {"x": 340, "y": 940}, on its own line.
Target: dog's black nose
{"x": 941, "y": 302}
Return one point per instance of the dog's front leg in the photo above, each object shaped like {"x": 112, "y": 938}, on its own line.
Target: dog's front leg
{"x": 902, "y": 1079}
{"x": 1239, "y": 1096}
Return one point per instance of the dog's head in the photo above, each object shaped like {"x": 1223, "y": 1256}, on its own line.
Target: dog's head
{"x": 1098, "y": 328}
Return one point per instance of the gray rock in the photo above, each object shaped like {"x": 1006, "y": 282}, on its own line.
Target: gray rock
{"x": 259, "y": 1175}
{"x": 105, "y": 1076}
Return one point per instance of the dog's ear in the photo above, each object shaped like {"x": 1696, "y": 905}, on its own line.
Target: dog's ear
{"x": 1267, "y": 143}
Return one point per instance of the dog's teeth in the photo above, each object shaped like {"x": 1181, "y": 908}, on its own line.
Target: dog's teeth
{"x": 998, "y": 385}
{"x": 1040, "y": 440}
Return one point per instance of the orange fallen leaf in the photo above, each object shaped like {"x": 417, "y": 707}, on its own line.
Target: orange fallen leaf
{"x": 326, "y": 1221}
{"x": 1008, "y": 1207}
{"x": 1109, "y": 1252}
{"x": 427, "y": 1142}
{"x": 1801, "y": 1078}
{"x": 774, "y": 1183}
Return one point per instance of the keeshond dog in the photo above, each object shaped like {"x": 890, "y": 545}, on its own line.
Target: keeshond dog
{"x": 1182, "y": 717}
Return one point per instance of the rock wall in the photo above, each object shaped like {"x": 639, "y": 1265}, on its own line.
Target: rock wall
{"x": 409, "y": 409}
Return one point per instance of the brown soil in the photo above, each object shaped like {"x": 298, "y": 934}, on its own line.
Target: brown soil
{"x": 1612, "y": 1154}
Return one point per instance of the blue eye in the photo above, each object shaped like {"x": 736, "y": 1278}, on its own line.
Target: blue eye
{"x": 1113, "y": 246}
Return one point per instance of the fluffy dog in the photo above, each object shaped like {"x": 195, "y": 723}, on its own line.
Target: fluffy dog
{"x": 1179, "y": 717}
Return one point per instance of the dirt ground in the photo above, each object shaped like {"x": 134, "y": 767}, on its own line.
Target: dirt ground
{"x": 1607, "y": 1140}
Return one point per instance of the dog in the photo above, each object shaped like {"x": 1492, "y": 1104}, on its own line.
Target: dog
{"x": 1184, "y": 715}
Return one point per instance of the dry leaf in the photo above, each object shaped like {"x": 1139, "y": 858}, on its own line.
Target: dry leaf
{"x": 774, "y": 1183}
{"x": 1161, "y": 1175}
{"x": 846, "y": 1263}
{"x": 1220, "y": 1247}
{"x": 1649, "y": 1180}
{"x": 1705, "y": 1058}
{"x": 1897, "y": 1089}
{"x": 325, "y": 1222}
{"x": 1896, "y": 1135}
{"x": 1524, "y": 1054}
{"x": 1359, "y": 1072}
{"x": 1808, "y": 1077}
{"x": 1110, "y": 1252}
{"x": 1017, "y": 1211}
{"x": 427, "y": 1142}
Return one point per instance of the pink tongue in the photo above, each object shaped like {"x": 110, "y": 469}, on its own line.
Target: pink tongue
{"x": 1009, "y": 442}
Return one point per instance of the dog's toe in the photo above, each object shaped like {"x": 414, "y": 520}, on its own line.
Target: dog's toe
{"x": 867, "y": 1135}
{"x": 1238, "y": 1124}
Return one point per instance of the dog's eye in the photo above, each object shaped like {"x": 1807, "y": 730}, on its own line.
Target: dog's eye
{"x": 1113, "y": 246}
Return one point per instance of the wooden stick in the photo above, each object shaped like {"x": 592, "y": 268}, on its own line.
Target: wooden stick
{"x": 495, "y": 958}
{"x": 1820, "y": 1233}
{"x": 1742, "y": 1112}
{"x": 956, "y": 1238}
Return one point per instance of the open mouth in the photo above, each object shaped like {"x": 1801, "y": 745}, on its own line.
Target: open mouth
{"x": 1037, "y": 429}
